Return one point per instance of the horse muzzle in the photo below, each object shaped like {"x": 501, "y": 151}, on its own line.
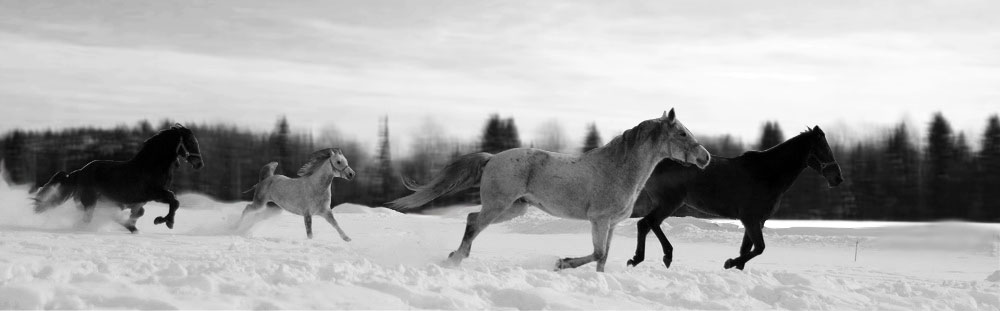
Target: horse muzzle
{"x": 833, "y": 175}
{"x": 347, "y": 173}
{"x": 195, "y": 161}
{"x": 702, "y": 157}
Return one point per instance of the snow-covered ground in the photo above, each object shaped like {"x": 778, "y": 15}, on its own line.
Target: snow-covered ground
{"x": 395, "y": 262}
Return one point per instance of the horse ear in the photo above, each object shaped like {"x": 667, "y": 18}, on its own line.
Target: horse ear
{"x": 669, "y": 116}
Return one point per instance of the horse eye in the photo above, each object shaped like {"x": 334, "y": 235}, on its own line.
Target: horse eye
{"x": 684, "y": 134}
{"x": 338, "y": 162}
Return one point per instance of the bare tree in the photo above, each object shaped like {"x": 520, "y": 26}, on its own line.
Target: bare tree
{"x": 551, "y": 136}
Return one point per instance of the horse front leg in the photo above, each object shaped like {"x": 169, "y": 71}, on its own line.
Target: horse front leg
{"x": 600, "y": 232}
{"x": 668, "y": 249}
{"x": 167, "y": 197}
{"x": 328, "y": 215}
{"x": 640, "y": 248}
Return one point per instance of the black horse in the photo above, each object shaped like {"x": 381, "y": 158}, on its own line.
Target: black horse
{"x": 130, "y": 184}
{"x": 747, "y": 187}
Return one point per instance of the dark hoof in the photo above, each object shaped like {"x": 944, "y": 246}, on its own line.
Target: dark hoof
{"x": 563, "y": 264}
{"x": 132, "y": 229}
{"x": 729, "y": 264}
{"x": 161, "y": 219}
{"x": 633, "y": 262}
{"x": 667, "y": 260}
{"x": 454, "y": 258}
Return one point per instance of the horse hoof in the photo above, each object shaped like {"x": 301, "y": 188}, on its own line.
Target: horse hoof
{"x": 563, "y": 264}
{"x": 728, "y": 264}
{"x": 132, "y": 229}
{"x": 346, "y": 239}
{"x": 667, "y": 260}
{"x": 454, "y": 259}
{"x": 633, "y": 262}
{"x": 158, "y": 220}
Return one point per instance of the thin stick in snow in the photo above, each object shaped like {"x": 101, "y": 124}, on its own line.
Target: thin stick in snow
{"x": 856, "y": 243}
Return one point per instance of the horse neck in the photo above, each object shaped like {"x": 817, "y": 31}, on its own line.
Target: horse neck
{"x": 155, "y": 153}
{"x": 630, "y": 165}
{"x": 787, "y": 159}
{"x": 322, "y": 177}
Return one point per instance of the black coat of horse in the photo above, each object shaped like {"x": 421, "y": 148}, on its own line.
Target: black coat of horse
{"x": 130, "y": 184}
{"x": 747, "y": 187}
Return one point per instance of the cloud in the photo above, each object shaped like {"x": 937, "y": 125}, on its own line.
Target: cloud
{"x": 725, "y": 65}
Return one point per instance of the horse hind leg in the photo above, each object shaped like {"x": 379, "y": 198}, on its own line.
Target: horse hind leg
{"x": 136, "y": 211}
{"x": 309, "y": 225}
{"x": 476, "y": 222}
{"x": 88, "y": 200}
{"x": 254, "y": 206}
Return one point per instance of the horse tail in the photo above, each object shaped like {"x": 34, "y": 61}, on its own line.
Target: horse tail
{"x": 265, "y": 172}
{"x": 56, "y": 191}
{"x": 463, "y": 173}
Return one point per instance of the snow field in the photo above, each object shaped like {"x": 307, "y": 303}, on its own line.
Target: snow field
{"x": 395, "y": 261}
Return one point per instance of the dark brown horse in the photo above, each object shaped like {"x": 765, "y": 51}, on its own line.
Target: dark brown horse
{"x": 129, "y": 184}
{"x": 747, "y": 187}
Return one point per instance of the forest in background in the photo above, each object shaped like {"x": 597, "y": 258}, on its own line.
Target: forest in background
{"x": 899, "y": 175}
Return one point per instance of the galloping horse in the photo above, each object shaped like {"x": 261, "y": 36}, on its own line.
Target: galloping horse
{"x": 600, "y": 186}
{"x": 747, "y": 187}
{"x": 305, "y": 196}
{"x": 130, "y": 184}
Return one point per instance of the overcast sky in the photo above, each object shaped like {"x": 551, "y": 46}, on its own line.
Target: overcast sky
{"x": 849, "y": 66}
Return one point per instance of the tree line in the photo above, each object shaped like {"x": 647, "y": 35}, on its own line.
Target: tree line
{"x": 895, "y": 176}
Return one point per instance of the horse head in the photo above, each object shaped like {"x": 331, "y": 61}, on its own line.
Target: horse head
{"x": 338, "y": 162}
{"x": 821, "y": 158}
{"x": 335, "y": 157}
{"x": 187, "y": 147}
{"x": 676, "y": 142}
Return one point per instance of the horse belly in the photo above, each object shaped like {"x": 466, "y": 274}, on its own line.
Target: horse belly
{"x": 561, "y": 211}
{"x": 296, "y": 197}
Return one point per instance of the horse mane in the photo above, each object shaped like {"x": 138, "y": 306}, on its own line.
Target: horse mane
{"x": 627, "y": 141}
{"x": 154, "y": 145}
{"x": 316, "y": 161}
{"x": 810, "y": 133}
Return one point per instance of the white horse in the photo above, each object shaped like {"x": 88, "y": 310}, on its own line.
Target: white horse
{"x": 307, "y": 195}
{"x": 600, "y": 186}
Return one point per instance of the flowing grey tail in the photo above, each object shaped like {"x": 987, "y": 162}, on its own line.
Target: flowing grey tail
{"x": 57, "y": 190}
{"x": 461, "y": 174}
{"x": 265, "y": 172}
